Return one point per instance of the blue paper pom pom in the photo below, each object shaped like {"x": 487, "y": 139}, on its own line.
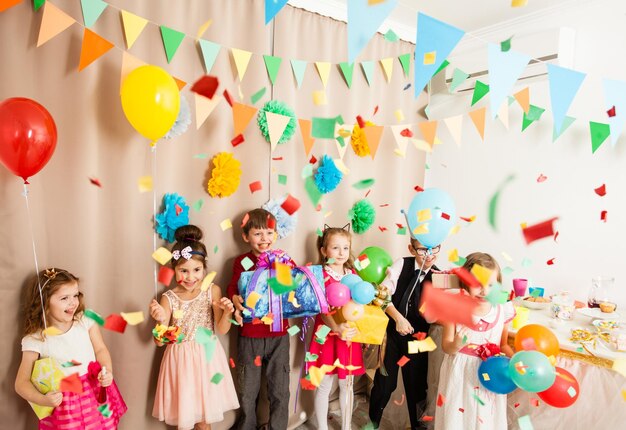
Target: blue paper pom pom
{"x": 175, "y": 214}
{"x": 328, "y": 176}
{"x": 182, "y": 121}
{"x": 285, "y": 223}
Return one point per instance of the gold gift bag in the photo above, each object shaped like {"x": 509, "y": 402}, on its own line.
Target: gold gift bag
{"x": 46, "y": 376}
{"x": 372, "y": 326}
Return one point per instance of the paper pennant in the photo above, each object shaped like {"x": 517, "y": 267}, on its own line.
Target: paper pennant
{"x": 564, "y": 84}
{"x": 363, "y": 22}
{"x": 162, "y": 256}
{"x": 133, "y": 318}
{"x": 615, "y": 97}
{"x": 401, "y": 140}
{"x": 480, "y": 90}
{"x": 133, "y": 26}
{"x": 503, "y": 114}
{"x": 323, "y": 69}
{"x": 368, "y": 69}
{"x": 429, "y": 130}
{"x": 373, "y": 133}
{"x": 53, "y": 22}
{"x": 93, "y": 48}
{"x": 387, "y": 65}
{"x": 272, "y": 7}
{"x": 298, "y": 67}
{"x": 7, "y": 4}
{"x": 405, "y": 62}
{"x": 567, "y": 121}
{"x": 533, "y": 114}
{"x": 478, "y": 118}
{"x": 276, "y": 125}
{"x": 204, "y": 107}
{"x": 305, "y": 131}
{"x": 347, "y": 69}
{"x": 455, "y": 127}
{"x": 458, "y": 77}
{"x": 115, "y": 322}
{"x": 92, "y": 9}
{"x": 72, "y": 384}
{"x": 242, "y": 114}
{"x": 432, "y": 36}
{"x": 209, "y": 53}
{"x": 241, "y": 59}
{"x": 523, "y": 98}
{"x": 272, "y": 64}
{"x": 505, "y": 67}
{"x": 599, "y": 132}
{"x": 171, "y": 41}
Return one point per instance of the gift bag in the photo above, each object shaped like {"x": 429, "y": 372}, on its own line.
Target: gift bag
{"x": 308, "y": 298}
{"x": 46, "y": 376}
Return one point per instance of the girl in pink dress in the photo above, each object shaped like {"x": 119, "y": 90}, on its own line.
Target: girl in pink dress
{"x": 335, "y": 254}
{"x": 464, "y": 403}
{"x": 195, "y": 386}
{"x": 74, "y": 345}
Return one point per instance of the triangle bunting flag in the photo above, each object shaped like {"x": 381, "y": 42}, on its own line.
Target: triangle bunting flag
{"x": 92, "y": 9}
{"x": 405, "y": 62}
{"x": 242, "y": 114}
{"x": 373, "y": 134}
{"x": 241, "y": 59}
{"x": 272, "y": 64}
{"x": 504, "y": 70}
{"x": 93, "y": 48}
{"x": 323, "y": 69}
{"x": 204, "y": 107}
{"x": 171, "y": 41}
{"x": 276, "y": 124}
{"x": 53, "y": 22}
{"x": 209, "y": 53}
{"x": 564, "y": 84}
{"x": 305, "y": 131}
{"x": 387, "y": 64}
{"x": 298, "y": 67}
{"x": 478, "y": 118}
{"x": 347, "y": 69}
{"x": 364, "y": 18}
{"x": 272, "y": 7}
{"x": 368, "y": 69}
{"x": 133, "y": 26}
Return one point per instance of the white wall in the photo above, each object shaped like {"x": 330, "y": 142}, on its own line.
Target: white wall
{"x": 471, "y": 173}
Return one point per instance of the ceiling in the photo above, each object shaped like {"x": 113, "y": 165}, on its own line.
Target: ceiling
{"x": 467, "y": 15}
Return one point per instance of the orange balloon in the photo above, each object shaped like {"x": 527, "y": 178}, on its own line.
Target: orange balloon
{"x": 537, "y": 337}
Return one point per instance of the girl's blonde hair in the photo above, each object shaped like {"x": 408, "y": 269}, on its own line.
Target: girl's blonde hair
{"x": 322, "y": 242}
{"x": 50, "y": 280}
{"x": 482, "y": 259}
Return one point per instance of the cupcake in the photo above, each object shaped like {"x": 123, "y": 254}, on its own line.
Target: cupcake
{"x": 607, "y": 307}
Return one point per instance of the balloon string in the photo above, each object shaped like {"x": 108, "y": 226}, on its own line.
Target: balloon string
{"x": 32, "y": 240}
{"x": 154, "y": 213}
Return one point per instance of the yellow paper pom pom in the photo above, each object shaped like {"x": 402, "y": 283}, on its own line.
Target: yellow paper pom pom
{"x": 225, "y": 176}
{"x": 359, "y": 141}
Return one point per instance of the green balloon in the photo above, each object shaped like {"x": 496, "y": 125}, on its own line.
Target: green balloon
{"x": 534, "y": 373}
{"x": 379, "y": 261}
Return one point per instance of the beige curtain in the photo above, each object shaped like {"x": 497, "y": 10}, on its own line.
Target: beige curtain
{"x": 105, "y": 235}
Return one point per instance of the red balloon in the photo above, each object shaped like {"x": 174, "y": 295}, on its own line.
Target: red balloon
{"x": 28, "y": 136}
{"x": 563, "y": 392}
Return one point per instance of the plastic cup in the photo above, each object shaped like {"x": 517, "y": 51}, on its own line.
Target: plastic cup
{"x": 536, "y": 291}
{"x": 521, "y": 317}
{"x": 519, "y": 287}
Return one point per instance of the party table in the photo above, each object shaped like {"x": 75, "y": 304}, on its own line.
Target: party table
{"x": 602, "y": 396}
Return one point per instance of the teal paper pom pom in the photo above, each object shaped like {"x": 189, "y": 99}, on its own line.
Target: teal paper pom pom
{"x": 280, "y": 108}
{"x": 362, "y": 216}
{"x": 328, "y": 175}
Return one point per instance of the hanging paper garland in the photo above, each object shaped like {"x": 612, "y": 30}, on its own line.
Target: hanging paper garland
{"x": 362, "y": 216}
{"x": 359, "y": 141}
{"x": 328, "y": 176}
{"x": 285, "y": 223}
{"x": 280, "y": 108}
{"x": 182, "y": 121}
{"x": 175, "y": 214}
{"x": 225, "y": 176}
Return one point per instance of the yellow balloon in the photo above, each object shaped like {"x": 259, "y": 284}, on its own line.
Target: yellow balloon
{"x": 150, "y": 100}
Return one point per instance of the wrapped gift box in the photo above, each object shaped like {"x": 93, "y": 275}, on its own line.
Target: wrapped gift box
{"x": 445, "y": 280}
{"x": 46, "y": 376}
{"x": 372, "y": 325}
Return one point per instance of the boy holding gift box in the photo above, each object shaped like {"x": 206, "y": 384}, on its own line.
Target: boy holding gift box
{"x": 259, "y": 340}
{"x": 404, "y": 280}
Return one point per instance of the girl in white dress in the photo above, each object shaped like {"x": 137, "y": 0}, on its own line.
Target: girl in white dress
{"x": 462, "y": 402}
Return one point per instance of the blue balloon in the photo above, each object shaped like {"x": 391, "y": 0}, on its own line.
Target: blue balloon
{"x": 351, "y": 280}
{"x": 362, "y": 293}
{"x": 532, "y": 371}
{"x": 442, "y": 216}
{"x": 498, "y": 380}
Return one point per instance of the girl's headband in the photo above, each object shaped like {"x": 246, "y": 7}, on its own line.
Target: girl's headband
{"x": 345, "y": 227}
{"x": 186, "y": 253}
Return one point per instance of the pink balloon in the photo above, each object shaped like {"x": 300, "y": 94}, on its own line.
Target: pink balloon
{"x": 352, "y": 311}
{"x": 337, "y": 294}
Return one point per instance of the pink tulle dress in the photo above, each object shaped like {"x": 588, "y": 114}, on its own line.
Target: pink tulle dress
{"x": 334, "y": 348}
{"x": 185, "y": 392}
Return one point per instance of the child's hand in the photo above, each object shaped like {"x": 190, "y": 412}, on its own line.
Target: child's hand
{"x": 105, "y": 377}
{"x": 460, "y": 339}
{"x": 156, "y": 311}
{"x": 226, "y": 305}
{"x": 403, "y": 326}
{"x": 347, "y": 331}
{"x": 238, "y": 302}
{"x": 238, "y": 317}
{"x": 53, "y": 398}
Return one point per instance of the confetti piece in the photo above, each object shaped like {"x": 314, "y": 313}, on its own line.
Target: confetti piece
{"x": 165, "y": 276}
{"x": 482, "y": 274}
{"x": 624, "y": 394}
{"x": 461, "y": 410}
{"x": 257, "y": 360}
{"x": 505, "y": 45}
{"x": 72, "y": 384}
{"x": 217, "y": 378}
{"x": 205, "y": 86}
{"x": 470, "y": 219}
{"x": 282, "y": 179}
{"x": 619, "y": 366}
{"x": 541, "y": 178}
{"x": 96, "y": 182}
{"x": 144, "y": 183}
{"x": 252, "y": 298}
{"x": 256, "y": 186}
{"x": 440, "y": 399}
{"x": 399, "y": 402}
{"x": 115, "y": 322}
{"x": 571, "y": 391}
{"x": 534, "y": 402}
{"x": 427, "y": 418}
{"x": 257, "y": 96}
{"x": 365, "y": 183}
{"x": 207, "y": 281}
{"x": 105, "y": 410}
{"x": 601, "y": 190}
{"x": 390, "y": 36}
{"x": 292, "y": 298}
{"x": 603, "y": 215}
{"x": 310, "y": 357}
{"x": 550, "y": 262}
{"x": 611, "y": 112}
{"x": 233, "y": 322}
{"x": 226, "y": 224}
{"x": 246, "y": 263}
{"x": 197, "y": 205}
{"x": 178, "y": 314}
{"x": 293, "y": 330}
{"x": 52, "y": 331}
{"x": 478, "y": 399}
{"x": 162, "y": 256}
{"x": 403, "y": 360}
{"x": 539, "y": 231}
{"x": 71, "y": 363}
{"x": 94, "y": 316}
{"x": 232, "y": 362}
{"x": 486, "y": 377}
{"x": 319, "y": 98}
{"x": 237, "y": 140}
{"x": 291, "y": 204}
{"x": 524, "y": 422}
